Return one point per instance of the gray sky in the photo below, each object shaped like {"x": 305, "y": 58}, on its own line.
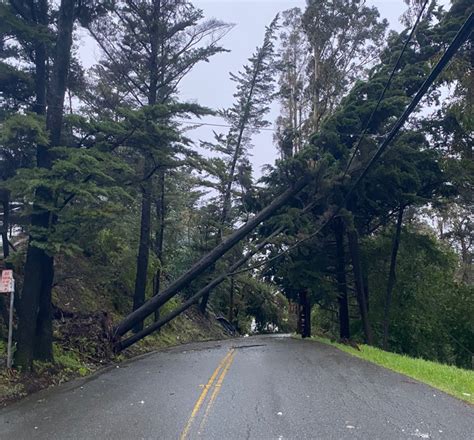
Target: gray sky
{"x": 209, "y": 85}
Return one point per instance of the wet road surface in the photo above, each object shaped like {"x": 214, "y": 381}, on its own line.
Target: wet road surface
{"x": 263, "y": 387}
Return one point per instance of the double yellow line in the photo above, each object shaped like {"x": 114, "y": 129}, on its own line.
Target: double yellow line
{"x": 222, "y": 368}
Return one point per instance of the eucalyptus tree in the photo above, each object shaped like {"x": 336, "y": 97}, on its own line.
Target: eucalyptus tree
{"x": 346, "y": 36}
{"x": 294, "y": 54}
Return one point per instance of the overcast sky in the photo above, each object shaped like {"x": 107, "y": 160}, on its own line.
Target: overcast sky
{"x": 209, "y": 85}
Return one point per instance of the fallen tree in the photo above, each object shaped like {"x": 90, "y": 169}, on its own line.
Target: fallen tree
{"x": 121, "y": 345}
{"x": 205, "y": 262}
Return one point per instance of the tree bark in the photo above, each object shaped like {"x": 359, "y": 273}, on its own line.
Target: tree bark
{"x": 160, "y": 234}
{"x": 5, "y": 201}
{"x": 392, "y": 278}
{"x": 205, "y": 262}
{"x": 316, "y": 95}
{"x": 43, "y": 349}
{"x": 365, "y": 279}
{"x": 344, "y": 328}
{"x": 143, "y": 248}
{"x": 353, "y": 240}
{"x": 231, "y": 300}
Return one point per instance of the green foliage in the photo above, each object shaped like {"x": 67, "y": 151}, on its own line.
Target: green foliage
{"x": 123, "y": 145}
{"x": 264, "y": 303}
{"x": 428, "y": 164}
{"x": 431, "y": 310}
{"x": 70, "y": 361}
{"x": 20, "y": 135}
{"x": 86, "y": 195}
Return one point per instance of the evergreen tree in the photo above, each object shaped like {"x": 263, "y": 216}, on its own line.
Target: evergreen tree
{"x": 148, "y": 48}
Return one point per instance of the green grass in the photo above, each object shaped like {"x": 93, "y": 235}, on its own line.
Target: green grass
{"x": 70, "y": 361}
{"x": 452, "y": 380}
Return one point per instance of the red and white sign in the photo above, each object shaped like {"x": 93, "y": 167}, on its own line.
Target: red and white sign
{"x": 6, "y": 282}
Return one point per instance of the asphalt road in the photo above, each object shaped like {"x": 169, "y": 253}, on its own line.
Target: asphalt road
{"x": 269, "y": 387}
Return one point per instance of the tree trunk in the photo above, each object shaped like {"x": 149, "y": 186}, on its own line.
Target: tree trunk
{"x": 344, "y": 329}
{"x": 204, "y": 302}
{"x": 205, "y": 262}
{"x": 316, "y": 96}
{"x": 143, "y": 248}
{"x": 365, "y": 279}
{"x": 43, "y": 349}
{"x": 305, "y": 314}
{"x": 121, "y": 345}
{"x": 231, "y": 300}
{"x": 28, "y": 307}
{"x": 392, "y": 277}
{"x": 353, "y": 240}
{"x": 160, "y": 234}
{"x": 5, "y": 201}
{"x": 35, "y": 325}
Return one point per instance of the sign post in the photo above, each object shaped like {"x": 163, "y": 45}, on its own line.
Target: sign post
{"x": 7, "y": 285}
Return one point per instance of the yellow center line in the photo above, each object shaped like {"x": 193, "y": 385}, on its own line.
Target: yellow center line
{"x": 217, "y": 388}
{"x": 203, "y": 395}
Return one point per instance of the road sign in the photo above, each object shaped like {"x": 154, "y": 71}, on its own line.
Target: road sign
{"x": 6, "y": 282}
{"x": 7, "y": 285}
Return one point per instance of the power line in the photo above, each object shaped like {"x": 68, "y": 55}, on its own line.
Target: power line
{"x": 209, "y": 124}
{"x": 459, "y": 40}
{"x": 382, "y": 96}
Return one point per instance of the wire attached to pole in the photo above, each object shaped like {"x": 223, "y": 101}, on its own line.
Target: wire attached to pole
{"x": 389, "y": 82}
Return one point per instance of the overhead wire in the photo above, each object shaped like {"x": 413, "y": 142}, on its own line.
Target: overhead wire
{"x": 359, "y": 142}
{"x": 458, "y": 41}
{"x": 387, "y": 86}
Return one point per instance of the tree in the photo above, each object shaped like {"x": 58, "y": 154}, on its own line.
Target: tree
{"x": 295, "y": 99}
{"x": 35, "y": 330}
{"x": 41, "y": 37}
{"x": 345, "y": 36}
{"x": 148, "y": 47}
{"x": 253, "y": 96}
{"x": 255, "y": 85}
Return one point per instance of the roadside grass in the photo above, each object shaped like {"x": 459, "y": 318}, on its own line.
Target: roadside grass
{"x": 450, "y": 379}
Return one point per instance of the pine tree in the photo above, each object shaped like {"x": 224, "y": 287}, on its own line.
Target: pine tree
{"x": 246, "y": 117}
{"x": 148, "y": 48}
